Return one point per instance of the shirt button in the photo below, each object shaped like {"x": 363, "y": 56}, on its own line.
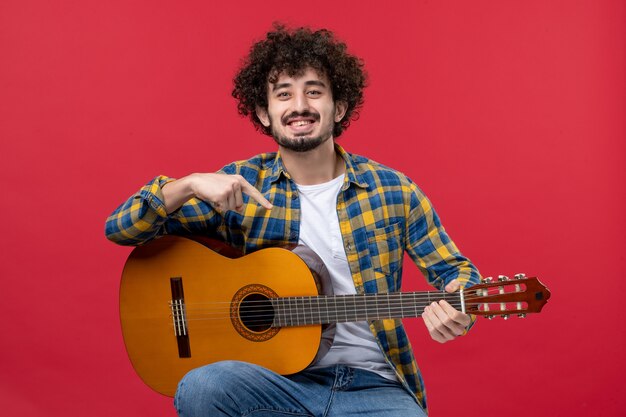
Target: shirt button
{"x": 294, "y": 196}
{"x": 293, "y": 235}
{"x": 349, "y": 246}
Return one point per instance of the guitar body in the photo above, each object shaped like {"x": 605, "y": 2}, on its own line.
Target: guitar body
{"x": 162, "y": 351}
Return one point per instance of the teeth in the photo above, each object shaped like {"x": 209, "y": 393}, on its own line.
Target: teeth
{"x": 301, "y": 123}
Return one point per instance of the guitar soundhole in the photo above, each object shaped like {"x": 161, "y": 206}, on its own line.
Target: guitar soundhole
{"x": 252, "y": 312}
{"x": 256, "y": 312}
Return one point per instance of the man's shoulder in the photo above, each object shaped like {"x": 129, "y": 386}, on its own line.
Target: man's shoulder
{"x": 371, "y": 170}
{"x": 255, "y": 164}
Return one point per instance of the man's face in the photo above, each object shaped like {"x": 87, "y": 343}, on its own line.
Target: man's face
{"x": 301, "y": 111}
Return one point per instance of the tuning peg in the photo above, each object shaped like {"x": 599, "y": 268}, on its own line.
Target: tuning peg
{"x": 490, "y": 317}
{"x": 505, "y": 316}
{"x": 520, "y": 276}
{"x": 487, "y": 280}
{"x": 502, "y": 278}
{"x": 522, "y": 315}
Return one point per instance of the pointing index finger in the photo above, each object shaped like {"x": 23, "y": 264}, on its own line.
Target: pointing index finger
{"x": 247, "y": 188}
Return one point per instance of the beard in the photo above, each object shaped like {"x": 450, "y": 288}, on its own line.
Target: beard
{"x": 301, "y": 142}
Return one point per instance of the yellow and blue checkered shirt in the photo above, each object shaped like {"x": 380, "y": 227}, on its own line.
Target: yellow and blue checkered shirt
{"x": 382, "y": 214}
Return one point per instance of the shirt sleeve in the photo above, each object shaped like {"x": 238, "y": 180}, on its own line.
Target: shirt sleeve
{"x": 143, "y": 216}
{"x": 432, "y": 250}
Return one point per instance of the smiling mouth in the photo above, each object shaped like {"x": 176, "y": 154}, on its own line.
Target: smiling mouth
{"x": 301, "y": 126}
{"x": 297, "y": 123}
{"x": 301, "y": 121}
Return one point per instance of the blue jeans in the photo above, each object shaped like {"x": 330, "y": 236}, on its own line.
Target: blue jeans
{"x": 241, "y": 389}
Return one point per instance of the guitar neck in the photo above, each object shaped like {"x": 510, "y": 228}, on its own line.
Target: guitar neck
{"x": 325, "y": 309}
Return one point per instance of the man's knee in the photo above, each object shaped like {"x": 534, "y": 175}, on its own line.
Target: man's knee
{"x": 207, "y": 389}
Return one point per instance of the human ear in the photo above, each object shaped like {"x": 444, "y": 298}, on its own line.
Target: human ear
{"x": 264, "y": 118}
{"x": 340, "y": 110}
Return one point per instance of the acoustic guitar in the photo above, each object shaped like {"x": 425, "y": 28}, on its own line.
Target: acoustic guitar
{"x": 185, "y": 303}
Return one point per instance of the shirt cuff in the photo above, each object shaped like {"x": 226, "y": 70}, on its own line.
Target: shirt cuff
{"x": 152, "y": 194}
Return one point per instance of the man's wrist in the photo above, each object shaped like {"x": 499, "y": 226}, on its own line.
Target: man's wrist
{"x": 178, "y": 192}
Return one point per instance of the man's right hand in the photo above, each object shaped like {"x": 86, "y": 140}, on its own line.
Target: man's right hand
{"x": 222, "y": 191}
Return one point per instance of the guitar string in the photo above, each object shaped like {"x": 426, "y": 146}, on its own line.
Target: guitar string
{"x": 341, "y": 300}
{"x": 248, "y": 311}
{"x": 358, "y": 306}
{"x": 352, "y": 303}
{"x": 327, "y": 318}
{"x": 412, "y": 296}
{"x": 303, "y": 304}
{"x": 313, "y": 309}
{"x": 301, "y": 315}
{"x": 307, "y": 320}
{"x": 311, "y": 319}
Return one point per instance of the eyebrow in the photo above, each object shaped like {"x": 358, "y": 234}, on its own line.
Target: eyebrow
{"x": 317, "y": 83}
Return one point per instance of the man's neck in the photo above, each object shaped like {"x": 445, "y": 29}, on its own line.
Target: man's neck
{"x": 316, "y": 166}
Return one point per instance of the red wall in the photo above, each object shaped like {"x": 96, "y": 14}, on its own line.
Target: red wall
{"x": 509, "y": 114}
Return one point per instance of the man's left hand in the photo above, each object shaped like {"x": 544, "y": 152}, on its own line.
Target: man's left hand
{"x": 443, "y": 321}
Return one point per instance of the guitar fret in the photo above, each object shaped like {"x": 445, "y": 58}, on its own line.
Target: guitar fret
{"x": 397, "y": 306}
{"x": 298, "y": 311}
{"x": 307, "y": 309}
{"x": 308, "y": 320}
{"x": 365, "y": 308}
{"x": 376, "y": 303}
{"x": 303, "y": 305}
{"x": 291, "y": 309}
{"x": 318, "y": 311}
{"x": 283, "y": 310}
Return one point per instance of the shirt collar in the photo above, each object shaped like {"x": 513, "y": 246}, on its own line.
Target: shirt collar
{"x": 278, "y": 169}
{"x": 353, "y": 173}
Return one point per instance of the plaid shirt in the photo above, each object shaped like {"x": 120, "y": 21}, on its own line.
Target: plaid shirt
{"x": 382, "y": 214}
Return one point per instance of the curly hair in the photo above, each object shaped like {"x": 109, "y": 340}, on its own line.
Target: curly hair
{"x": 292, "y": 52}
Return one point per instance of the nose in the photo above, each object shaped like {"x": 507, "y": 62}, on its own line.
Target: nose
{"x": 300, "y": 102}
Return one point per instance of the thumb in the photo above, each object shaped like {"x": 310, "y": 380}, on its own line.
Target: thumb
{"x": 453, "y": 286}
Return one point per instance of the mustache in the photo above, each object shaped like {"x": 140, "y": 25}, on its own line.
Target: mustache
{"x": 293, "y": 115}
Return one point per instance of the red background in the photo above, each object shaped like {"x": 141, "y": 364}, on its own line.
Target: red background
{"x": 509, "y": 114}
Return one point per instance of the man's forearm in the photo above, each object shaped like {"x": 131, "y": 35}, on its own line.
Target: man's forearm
{"x": 177, "y": 193}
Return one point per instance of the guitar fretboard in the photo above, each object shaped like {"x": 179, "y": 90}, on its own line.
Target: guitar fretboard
{"x": 301, "y": 311}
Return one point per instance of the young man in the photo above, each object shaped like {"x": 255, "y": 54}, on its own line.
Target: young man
{"x": 302, "y": 87}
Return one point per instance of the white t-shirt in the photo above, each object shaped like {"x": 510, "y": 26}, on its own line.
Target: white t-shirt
{"x": 353, "y": 345}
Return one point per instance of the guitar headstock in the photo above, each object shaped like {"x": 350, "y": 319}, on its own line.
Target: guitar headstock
{"x": 506, "y": 297}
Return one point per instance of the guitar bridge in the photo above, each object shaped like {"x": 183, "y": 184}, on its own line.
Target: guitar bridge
{"x": 179, "y": 318}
